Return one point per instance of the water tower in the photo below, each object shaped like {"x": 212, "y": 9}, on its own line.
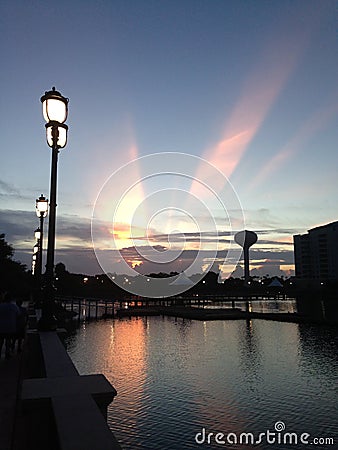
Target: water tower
{"x": 246, "y": 239}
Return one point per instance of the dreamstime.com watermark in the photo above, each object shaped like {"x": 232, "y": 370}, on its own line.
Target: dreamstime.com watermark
{"x": 277, "y": 436}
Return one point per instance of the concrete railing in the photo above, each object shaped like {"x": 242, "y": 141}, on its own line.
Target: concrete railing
{"x": 64, "y": 410}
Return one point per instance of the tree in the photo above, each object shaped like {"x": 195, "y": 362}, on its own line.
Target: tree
{"x": 60, "y": 270}
{"x": 13, "y": 274}
{"x": 6, "y": 250}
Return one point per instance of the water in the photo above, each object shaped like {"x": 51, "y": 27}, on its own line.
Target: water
{"x": 175, "y": 378}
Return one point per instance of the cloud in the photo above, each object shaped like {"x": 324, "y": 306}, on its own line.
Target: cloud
{"x": 204, "y": 236}
{"x": 10, "y": 194}
{"x": 73, "y": 231}
{"x": 79, "y": 260}
{"x": 148, "y": 259}
{"x": 288, "y": 231}
{"x": 285, "y": 256}
{"x": 74, "y": 246}
{"x": 8, "y": 189}
{"x": 18, "y": 226}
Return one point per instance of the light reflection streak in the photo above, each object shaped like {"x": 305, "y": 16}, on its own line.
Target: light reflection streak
{"x": 117, "y": 224}
{"x": 312, "y": 125}
{"x": 261, "y": 89}
{"x": 225, "y": 415}
{"x": 126, "y": 361}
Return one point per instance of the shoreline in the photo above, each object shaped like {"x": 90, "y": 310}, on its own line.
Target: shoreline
{"x": 204, "y": 314}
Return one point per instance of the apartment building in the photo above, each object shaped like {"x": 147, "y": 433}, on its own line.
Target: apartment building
{"x": 316, "y": 253}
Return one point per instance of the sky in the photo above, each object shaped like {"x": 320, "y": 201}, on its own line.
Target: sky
{"x": 188, "y": 121}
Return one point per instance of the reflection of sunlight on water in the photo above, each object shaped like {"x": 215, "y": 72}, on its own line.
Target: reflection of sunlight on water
{"x": 127, "y": 369}
{"x": 117, "y": 349}
{"x": 175, "y": 377}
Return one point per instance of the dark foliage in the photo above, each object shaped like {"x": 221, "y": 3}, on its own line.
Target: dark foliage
{"x": 13, "y": 275}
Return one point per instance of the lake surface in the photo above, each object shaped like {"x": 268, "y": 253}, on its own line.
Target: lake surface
{"x": 178, "y": 381}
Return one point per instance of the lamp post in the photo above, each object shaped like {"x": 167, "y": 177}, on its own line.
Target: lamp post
{"x": 55, "y": 111}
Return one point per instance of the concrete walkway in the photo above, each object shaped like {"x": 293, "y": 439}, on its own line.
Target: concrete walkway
{"x": 10, "y": 385}
{"x": 79, "y": 402}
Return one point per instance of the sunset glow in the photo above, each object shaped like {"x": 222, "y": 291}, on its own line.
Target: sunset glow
{"x": 256, "y": 106}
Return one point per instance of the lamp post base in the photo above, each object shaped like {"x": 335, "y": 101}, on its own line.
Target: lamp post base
{"x": 47, "y": 323}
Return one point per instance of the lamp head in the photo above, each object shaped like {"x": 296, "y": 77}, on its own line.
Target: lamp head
{"x": 56, "y": 134}
{"x": 54, "y": 106}
{"x": 41, "y": 205}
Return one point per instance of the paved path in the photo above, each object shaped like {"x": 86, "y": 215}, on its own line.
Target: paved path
{"x": 10, "y": 371}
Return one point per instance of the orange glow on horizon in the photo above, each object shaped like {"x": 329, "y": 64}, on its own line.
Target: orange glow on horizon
{"x": 135, "y": 263}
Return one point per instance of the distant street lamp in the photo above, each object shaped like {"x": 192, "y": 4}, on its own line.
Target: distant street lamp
{"x": 55, "y": 112}
{"x": 41, "y": 208}
{"x": 33, "y": 266}
{"x": 37, "y": 234}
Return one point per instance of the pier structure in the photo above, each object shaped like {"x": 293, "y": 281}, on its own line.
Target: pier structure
{"x": 81, "y": 308}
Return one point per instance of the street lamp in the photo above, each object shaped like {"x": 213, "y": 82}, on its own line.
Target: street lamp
{"x": 41, "y": 208}
{"x": 33, "y": 266}
{"x": 37, "y": 234}
{"x": 55, "y": 112}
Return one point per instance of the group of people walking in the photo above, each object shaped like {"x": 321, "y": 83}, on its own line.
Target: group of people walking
{"x": 13, "y": 322}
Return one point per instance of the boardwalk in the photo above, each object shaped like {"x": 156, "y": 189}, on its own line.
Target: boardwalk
{"x": 10, "y": 381}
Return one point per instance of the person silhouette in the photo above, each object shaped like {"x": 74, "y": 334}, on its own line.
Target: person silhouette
{"x": 9, "y": 313}
{"x": 21, "y": 324}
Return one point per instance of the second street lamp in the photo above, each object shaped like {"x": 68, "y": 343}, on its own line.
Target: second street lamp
{"x": 37, "y": 234}
{"x": 41, "y": 208}
{"x": 55, "y": 112}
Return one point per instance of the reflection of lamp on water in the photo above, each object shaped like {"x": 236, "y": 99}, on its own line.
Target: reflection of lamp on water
{"x": 55, "y": 112}
{"x": 246, "y": 239}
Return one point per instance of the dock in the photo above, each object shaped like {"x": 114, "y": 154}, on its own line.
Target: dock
{"x": 203, "y": 308}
